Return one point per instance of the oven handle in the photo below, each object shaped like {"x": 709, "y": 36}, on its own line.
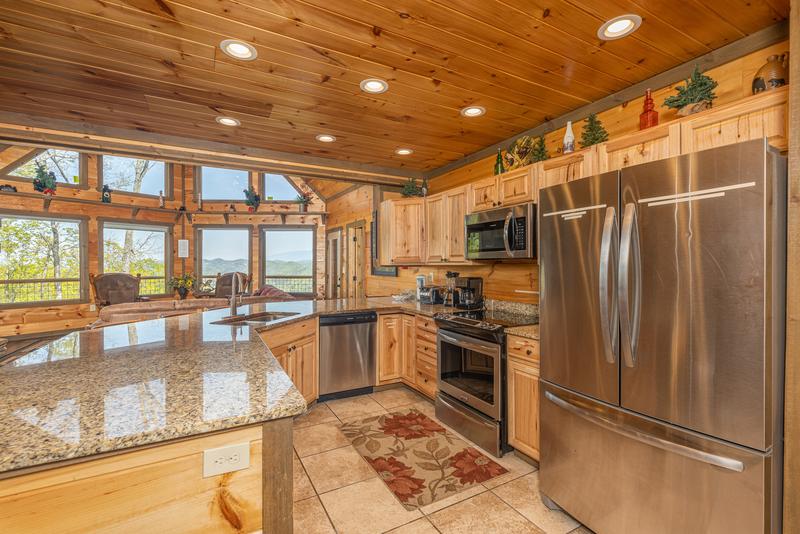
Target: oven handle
{"x": 506, "y": 226}
{"x": 469, "y": 345}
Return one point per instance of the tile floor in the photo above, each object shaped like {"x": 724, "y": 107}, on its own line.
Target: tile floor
{"x": 335, "y": 490}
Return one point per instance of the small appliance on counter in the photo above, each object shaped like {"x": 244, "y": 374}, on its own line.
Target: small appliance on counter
{"x": 431, "y": 295}
{"x": 469, "y": 293}
{"x": 450, "y": 297}
{"x": 420, "y": 285}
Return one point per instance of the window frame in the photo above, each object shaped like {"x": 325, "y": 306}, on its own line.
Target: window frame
{"x": 198, "y": 182}
{"x": 168, "y": 247}
{"x": 262, "y": 253}
{"x": 198, "y": 247}
{"x": 83, "y": 168}
{"x": 169, "y": 182}
{"x": 83, "y": 258}
{"x": 262, "y": 180}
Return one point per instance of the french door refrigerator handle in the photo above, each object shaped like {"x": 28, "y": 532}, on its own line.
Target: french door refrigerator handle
{"x": 630, "y": 251}
{"x": 632, "y": 433}
{"x": 609, "y": 311}
{"x": 506, "y": 226}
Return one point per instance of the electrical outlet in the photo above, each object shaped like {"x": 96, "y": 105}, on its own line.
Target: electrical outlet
{"x": 226, "y": 459}
{"x": 92, "y": 307}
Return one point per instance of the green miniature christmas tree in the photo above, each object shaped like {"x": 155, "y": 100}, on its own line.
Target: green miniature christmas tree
{"x": 412, "y": 189}
{"x": 539, "y": 150}
{"x": 45, "y": 181}
{"x": 698, "y": 88}
{"x": 593, "y": 132}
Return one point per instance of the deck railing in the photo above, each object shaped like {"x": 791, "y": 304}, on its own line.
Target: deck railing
{"x": 39, "y": 290}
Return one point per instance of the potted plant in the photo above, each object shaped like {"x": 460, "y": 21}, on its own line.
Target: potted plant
{"x": 252, "y": 199}
{"x": 183, "y": 284}
{"x": 304, "y": 199}
{"x": 45, "y": 181}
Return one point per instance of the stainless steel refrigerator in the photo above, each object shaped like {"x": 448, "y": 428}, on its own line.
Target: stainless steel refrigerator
{"x": 662, "y": 321}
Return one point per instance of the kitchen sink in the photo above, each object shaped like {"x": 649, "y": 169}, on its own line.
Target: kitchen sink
{"x": 254, "y": 319}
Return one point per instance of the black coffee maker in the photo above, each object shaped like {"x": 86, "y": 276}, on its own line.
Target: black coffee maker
{"x": 470, "y": 292}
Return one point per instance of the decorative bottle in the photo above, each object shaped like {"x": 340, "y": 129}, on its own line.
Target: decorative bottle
{"x": 569, "y": 139}
{"x": 498, "y": 164}
{"x": 649, "y": 116}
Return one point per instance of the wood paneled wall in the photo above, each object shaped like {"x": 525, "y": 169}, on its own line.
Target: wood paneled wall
{"x": 735, "y": 82}
{"x": 51, "y": 318}
{"x": 504, "y": 281}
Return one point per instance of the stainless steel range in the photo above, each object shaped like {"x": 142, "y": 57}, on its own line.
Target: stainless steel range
{"x": 472, "y": 369}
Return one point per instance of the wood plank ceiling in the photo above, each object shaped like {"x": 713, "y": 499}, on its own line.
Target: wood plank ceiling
{"x": 155, "y": 66}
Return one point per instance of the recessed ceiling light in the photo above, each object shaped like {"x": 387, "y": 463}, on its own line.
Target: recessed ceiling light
{"x": 228, "y": 121}
{"x": 326, "y": 138}
{"x": 404, "y": 151}
{"x": 619, "y": 27}
{"x": 374, "y": 86}
{"x": 239, "y": 49}
{"x": 473, "y": 111}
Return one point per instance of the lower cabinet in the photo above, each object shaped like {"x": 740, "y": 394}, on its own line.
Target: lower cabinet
{"x": 408, "y": 367}
{"x": 407, "y": 351}
{"x": 390, "y": 347}
{"x": 523, "y": 406}
{"x": 295, "y": 348}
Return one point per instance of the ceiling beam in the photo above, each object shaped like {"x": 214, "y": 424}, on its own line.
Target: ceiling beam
{"x": 751, "y": 43}
{"x": 18, "y": 128}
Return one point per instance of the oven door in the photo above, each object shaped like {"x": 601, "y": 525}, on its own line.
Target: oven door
{"x": 470, "y": 371}
{"x": 500, "y": 234}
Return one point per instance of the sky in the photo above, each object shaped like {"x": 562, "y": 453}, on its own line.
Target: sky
{"x": 118, "y": 170}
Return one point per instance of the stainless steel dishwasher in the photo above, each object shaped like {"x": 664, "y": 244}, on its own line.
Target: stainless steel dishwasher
{"x": 347, "y": 352}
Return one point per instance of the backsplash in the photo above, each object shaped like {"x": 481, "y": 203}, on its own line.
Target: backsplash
{"x": 508, "y": 306}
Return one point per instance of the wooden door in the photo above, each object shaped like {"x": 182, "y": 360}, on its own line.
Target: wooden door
{"x": 356, "y": 260}
{"x": 482, "y": 195}
{"x": 390, "y": 347}
{"x": 305, "y": 367}
{"x": 567, "y": 168}
{"x": 408, "y": 238}
{"x": 455, "y": 210}
{"x": 523, "y": 407}
{"x": 409, "y": 353}
{"x": 435, "y": 229}
{"x": 516, "y": 187}
{"x": 334, "y": 265}
{"x": 653, "y": 144}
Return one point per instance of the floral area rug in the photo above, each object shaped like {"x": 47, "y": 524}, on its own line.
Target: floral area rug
{"x": 417, "y": 458}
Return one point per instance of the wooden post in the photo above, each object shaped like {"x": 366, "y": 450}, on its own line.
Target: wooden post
{"x": 791, "y": 473}
{"x": 276, "y": 468}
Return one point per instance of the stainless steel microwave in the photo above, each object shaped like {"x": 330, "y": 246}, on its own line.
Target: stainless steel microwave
{"x": 504, "y": 233}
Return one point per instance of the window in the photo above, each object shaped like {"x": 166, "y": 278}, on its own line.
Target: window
{"x": 217, "y": 183}
{"x": 131, "y": 175}
{"x": 278, "y": 187}
{"x": 65, "y": 164}
{"x": 289, "y": 259}
{"x": 138, "y": 249}
{"x": 40, "y": 260}
{"x": 222, "y": 250}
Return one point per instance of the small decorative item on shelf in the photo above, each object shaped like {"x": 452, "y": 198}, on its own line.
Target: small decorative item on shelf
{"x": 231, "y": 207}
{"x": 161, "y": 199}
{"x": 105, "y": 194}
{"x": 593, "y": 132}
{"x": 519, "y": 152}
{"x": 774, "y": 73}
{"x": 569, "y": 140}
{"x": 539, "y": 152}
{"x": 424, "y": 187}
{"x": 199, "y": 203}
{"x": 695, "y": 96}
{"x": 499, "y": 168}
{"x": 649, "y": 116}
{"x": 304, "y": 199}
{"x": 252, "y": 199}
{"x": 182, "y": 284}
{"x": 8, "y": 188}
{"x": 45, "y": 181}
{"x": 411, "y": 189}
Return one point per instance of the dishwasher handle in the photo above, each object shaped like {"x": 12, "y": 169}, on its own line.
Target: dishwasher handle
{"x": 348, "y": 318}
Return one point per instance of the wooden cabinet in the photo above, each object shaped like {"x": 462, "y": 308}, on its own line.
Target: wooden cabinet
{"x": 563, "y": 169}
{"x": 295, "y": 348}
{"x": 402, "y": 231}
{"x": 653, "y": 144}
{"x": 755, "y": 117}
{"x": 390, "y": 347}
{"x": 444, "y": 226}
{"x": 513, "y": 187}
{"x": 408, "y": 367}
{"x": 523, "y": 406}
{"x": 426, "y": 362}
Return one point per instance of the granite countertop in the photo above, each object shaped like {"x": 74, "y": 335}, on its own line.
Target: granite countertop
{"x": 529, "y": 331}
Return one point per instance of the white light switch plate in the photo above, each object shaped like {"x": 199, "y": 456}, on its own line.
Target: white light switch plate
{"x": 226, "y": 459}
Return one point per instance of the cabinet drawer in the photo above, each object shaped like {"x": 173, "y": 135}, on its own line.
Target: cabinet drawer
{"x": 281, "y": 335}
{"x": 427, "y": 336}
{"x": 425, "y": 365}
{"x": 427, "y": 348}
{"x": 426, "y": 384}
{"x": 426, "y": 323}
{"x": 523, "y": 348}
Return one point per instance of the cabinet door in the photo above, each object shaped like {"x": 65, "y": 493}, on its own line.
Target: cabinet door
{"x": 435, "y": 229}
{"x": 516, "y": 187}
{"x": 390, "y": 347}
{"x": 305, "y": 366}
{"x": 567, "y": 168}
{"x": 483, "y": 195}
{"x": 409, "y": 356}
{"x": 408, "y": 238}
{"x": 653, "y": 144}
{"x": 523, "y": 407}
{"x": 455, "y": 210}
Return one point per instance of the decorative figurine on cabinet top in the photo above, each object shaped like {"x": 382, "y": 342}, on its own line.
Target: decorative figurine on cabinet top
{"x": 569, "y": 140}
{"x": 649, "y": 116}
{"x": 773, "y": 74}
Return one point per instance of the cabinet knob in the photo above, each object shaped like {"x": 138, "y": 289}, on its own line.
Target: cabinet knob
{"x": 529, "y": 352}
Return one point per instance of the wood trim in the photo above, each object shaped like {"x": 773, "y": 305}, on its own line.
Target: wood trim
{"x": 751, "y": 43}
{"x": 343, "y": 193}
{"x": 277, "y": 478}
{"x": 791, "y": 473}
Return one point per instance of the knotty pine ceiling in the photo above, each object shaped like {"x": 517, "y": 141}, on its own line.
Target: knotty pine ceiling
{"x": 155, "y": 65}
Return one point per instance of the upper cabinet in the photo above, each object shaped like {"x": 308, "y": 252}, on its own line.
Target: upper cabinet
{"x": 513, "y": 187}
{"x": 444, "y": 225}
{"x": 569, "y": 167}
{"x": 402, "y": 231}
{"x": 658, "y": 142}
